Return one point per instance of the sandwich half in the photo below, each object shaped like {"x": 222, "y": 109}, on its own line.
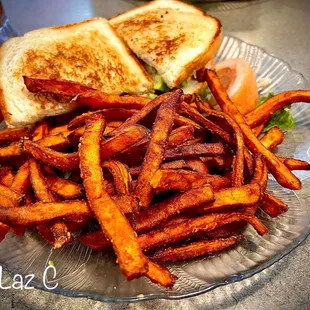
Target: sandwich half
{"x": 88, "y": 52}
{"x": 173, "y": 38}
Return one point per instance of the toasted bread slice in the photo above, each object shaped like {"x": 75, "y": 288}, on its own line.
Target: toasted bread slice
{"x": 88, "y": 52}
{"x": 174, "y": 38}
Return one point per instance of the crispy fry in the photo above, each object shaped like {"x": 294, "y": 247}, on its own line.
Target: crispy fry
{"x": 142, "y": 114}
{"x": 226, "y": 230}
{"x": 42, "y": 212}
{"x": 204, "y": 122}
{"x": 161, "y": 212}
{"x": 180, "y": 120}
{"x": 217, "y": 162}
{"x": 182, "y": 180}
{"x": 21, "y": 180}
{"x": 54, "y": 86}
{"x": 272, "y": 138}
{"x": 133, "y": 155}
{"x": 272, "y": 205}
{"x": 281, "y": 173}
{"x": 100, "y": 100}
{"x": 232, "y": 197}
{"x": 295, "y": 164}
{"x": 60, "y": 129}
{"x": 258, "y": 129}
{"x": 130, "y": 258}
{"x": 42, "y": 192}
{"x": 180, "y": 135}
{"x": 52, "y": 158}
{"x": 156, "y": 148}
{"x": 123, "y": 140}
{"x": 119, "y": 114}
{"x": 194, "y": 151}
{"x": 63, "y": 188}
{"x": 190, "y": 164}
{"x": 10, "y": 134}
{"x": 6, "y": 176}
{"x": 13, "y": 150}
{"x": 242, "y": 153}
{"x": 4, "y": 229}
{"x": 10, "y": 198}
{"x": 121, "y": 176}
{"x": 40, "y": 131}
{"x": 172, "y": 234}
{"x": 196, "y": 165}
{"x": 195, "y": 249}
{"x": 260, "y": 173}
{"x": 56, "y": 142}
{"x": 277, "y": 102}
{"x": 160, "y": 275}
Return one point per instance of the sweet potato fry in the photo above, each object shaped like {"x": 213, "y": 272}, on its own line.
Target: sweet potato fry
{"x": 180, "y": 135}
{"x": 95, "y": 240}
{"x": 277, "y": 102}
{"x": 57, "y": 142}
{"x": 182, "y": 180}
{"x": 142, "y": 114}
{"x": 6, "y": 176}
{"x": 272, "y": 205}
{"x": 21, "y": 180}
{"x": 79, "y": 120}
{"x": 226, "y": 230}
{"x": 196, "y": 165}
{"x": 121, "y": 176}
{"x": 118, "y": 114}
{"x": 60, "y": 129}
{"x": 11, "y": 151}
{"x": 54, "y": 86}
{"x": 194, "y": 151}
{"x": 260, "y": 173}
{"x": 101, "y": 100}
{"x": 172, "y": 234}
{"x": 221, "y": 162}
{"x": 272, "y": 138}
{"x": 204, "y": 122}
{"x": 180, "y": 120}
{"x": 161, "y": 212}
{"x": 281, "y": 173}
{"x": 195, "y": 249}
{"x": 10, "y": 198}
{"x": 42, "y": 212}
{"x": 65, "y": 189}
{"x": 112, "y": 221}
{"x": 156, "y": 148}
{"x": 259, "y": 128}
{"x": 40, "y": 186}
{"x": 52, "y": 158}
{"x": 160, "y": 275}
{"x": 123, "y": 140}
{"x": 11, "y": 134}
{"x": 295, "y": 164}
{"x": 232, "y": 198}
{"x": 191, "y": 164}
{"x": 242, "y": 153}
{"x": 40, "y": 131}
{"x": 4, "y": 229}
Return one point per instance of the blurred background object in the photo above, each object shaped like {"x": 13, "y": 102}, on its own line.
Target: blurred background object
{"x": 6, "y": 30}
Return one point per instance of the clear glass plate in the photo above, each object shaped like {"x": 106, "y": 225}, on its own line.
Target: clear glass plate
{"x": 83, "y": 273}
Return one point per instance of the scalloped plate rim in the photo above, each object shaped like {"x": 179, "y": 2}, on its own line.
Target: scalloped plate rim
{"x": 195, "y": 292}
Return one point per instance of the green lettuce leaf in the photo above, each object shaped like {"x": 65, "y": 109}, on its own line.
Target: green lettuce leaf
{"x": 282, "y": 118}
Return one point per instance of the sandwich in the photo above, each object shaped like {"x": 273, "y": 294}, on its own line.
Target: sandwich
{"x": 87, "y": 52}
{"x": 172, "y": 38}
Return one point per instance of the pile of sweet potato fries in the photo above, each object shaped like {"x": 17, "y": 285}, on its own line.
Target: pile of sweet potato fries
{"x": 163, "y": 180}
